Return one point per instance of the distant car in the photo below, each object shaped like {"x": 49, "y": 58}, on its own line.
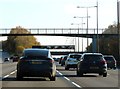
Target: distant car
{"x": 15, "y": 58}
{"x": 60, "y": 59}
{"x": 55, "y": 59}
{"x": 111, "y": 62}
{"x": 6, "y": 59}
{"x": 72, "y": 60}
{"x": 92, "y": 63}
{"x": 63, "y": 60}
{"x": 36, "y": 63}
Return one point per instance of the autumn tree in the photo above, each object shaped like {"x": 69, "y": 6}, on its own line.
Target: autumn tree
{"x": 16, "y": 44}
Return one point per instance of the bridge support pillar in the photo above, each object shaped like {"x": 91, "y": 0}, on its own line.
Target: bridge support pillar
{"x": 94, "y": 47}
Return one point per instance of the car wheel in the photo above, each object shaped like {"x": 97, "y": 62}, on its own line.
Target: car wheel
{"x": 104, "y": 74}
{"x": 19, "y": 77}
{"x": 100, "y": 74}
{"x": 53, "y": 78}
{"x": 66, "y": 68}
{"x": 114, "y": 68}
{"x": 79, "y": 73}
{"x": 61, "y": 64}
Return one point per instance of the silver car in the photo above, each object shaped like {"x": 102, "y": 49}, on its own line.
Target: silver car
{"x": 72, "y": 60}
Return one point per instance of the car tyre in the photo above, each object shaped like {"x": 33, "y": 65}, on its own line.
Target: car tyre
{"x": 104, "y": 74}
{"x": 53, "y": 78}
{"x": 100, "y": 74}
{"x": 66, "y": 68}
{"x": 61, "y": 64}
{"x": 114, "y": 68}
{"x": 19, "y": 77}
{"x": 80, "y": 74}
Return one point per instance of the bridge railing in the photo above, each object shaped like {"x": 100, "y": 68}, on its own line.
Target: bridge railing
{"x": 57, "y": 31}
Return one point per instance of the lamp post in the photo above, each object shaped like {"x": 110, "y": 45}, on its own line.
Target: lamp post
{"x": 78, "y": 33}
{"x": 118, "y": 30}
{"x": 82, "y": 26}
{"x": 96, "y": 22}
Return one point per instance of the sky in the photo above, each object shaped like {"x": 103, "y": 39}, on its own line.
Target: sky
{"x": 56, "y": 14}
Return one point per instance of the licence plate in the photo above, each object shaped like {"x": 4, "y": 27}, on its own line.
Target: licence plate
{"x": 94, "y": 67}
{"x": 35, "y": 62}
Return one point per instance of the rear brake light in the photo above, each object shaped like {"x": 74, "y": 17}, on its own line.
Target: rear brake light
{"x": 62, "y": 59}
{"x": 51, "y": 61}
{"x": 103, "y": 61}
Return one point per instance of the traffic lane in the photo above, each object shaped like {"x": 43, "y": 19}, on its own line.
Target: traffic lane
{"x": 91, "y": 80}
{"x": 8, "y": 67}
{"x": 11, "y": 81}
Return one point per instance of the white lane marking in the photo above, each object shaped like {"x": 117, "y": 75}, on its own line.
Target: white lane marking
{"x": 13, "y": 72}
{"x": 6, "y": 76}
{"x": 69, "y": 80}
{"x": 9, "y": 74}
{"x": 76, "y": 84}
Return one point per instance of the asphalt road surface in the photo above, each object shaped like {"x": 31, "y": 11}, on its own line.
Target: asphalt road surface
{"x": 64, "y": 79}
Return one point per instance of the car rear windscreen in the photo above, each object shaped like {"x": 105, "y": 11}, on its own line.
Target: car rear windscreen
{"x": 109, "y": 58}
{"x": 75, "y": 56}
{"x": 92, "y": 57}
{"x": 36, "y": 53}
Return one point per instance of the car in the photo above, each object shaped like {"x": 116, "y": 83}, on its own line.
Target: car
{"x": 15, "y": 58}
{"x": 6, "y": 59}
{"x": 111, "y": 62}
{"x": 60, "y": 59}
{"x": 72, "y": 60}
{"x": 92, "y": 63}
{"x": 55, "y": 59}
{"x": 36, "y": 62}
{"x": 63, "y": 60}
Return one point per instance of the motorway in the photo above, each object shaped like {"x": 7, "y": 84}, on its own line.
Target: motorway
{"x": 64, "y": 79}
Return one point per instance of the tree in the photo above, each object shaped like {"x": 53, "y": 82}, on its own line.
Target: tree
{"x": 16, "y": 44}
{"x": 109, "y": 45}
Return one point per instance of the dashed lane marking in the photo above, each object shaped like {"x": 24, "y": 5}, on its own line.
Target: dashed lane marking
{"x": 9, "y": 74}
{"x": 69, "y": 80}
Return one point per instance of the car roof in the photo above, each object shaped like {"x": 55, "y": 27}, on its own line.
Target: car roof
{"x": 75, "y": 54}
{"x": 108, "y": 55}
{"x": 37, "y": 51}
{"x": 92, "y": 54}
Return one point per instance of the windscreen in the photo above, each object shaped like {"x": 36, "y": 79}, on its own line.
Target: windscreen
{"x": 93, "y": 57}
{"x": 36, "y": 53}
{"x": 109, "y": 58}
{"x": 75, "y": 56}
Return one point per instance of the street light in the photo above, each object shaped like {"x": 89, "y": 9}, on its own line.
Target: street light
{"x": 96, "y": 21}
{"x": 82, "y": 22}
{"x": 82, "y": 26}
{"x": 118, "y": 24}
{"x": 78, "y": 32}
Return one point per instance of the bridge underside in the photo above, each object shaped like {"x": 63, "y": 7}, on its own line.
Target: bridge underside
{"x": 69, "y": 35}
{"x": 64, "y": 53}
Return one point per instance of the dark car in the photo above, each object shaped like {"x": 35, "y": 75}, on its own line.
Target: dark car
{"x": 60, "y": 59}
{"x": 63, "y": 60}
{"x": 92, "y": 63}
{"x": 111, "y": 62}
{"x": 6, "y": 59}
{"x": 36, "y": 63}
{"x": 15, "y": 58}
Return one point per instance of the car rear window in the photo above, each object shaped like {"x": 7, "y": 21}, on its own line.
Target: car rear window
{"x": 93, "y": 57}
{"x": 35, "y": 53}
{"x": 109, "y": 58}
{"x": 75, "y": 56}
